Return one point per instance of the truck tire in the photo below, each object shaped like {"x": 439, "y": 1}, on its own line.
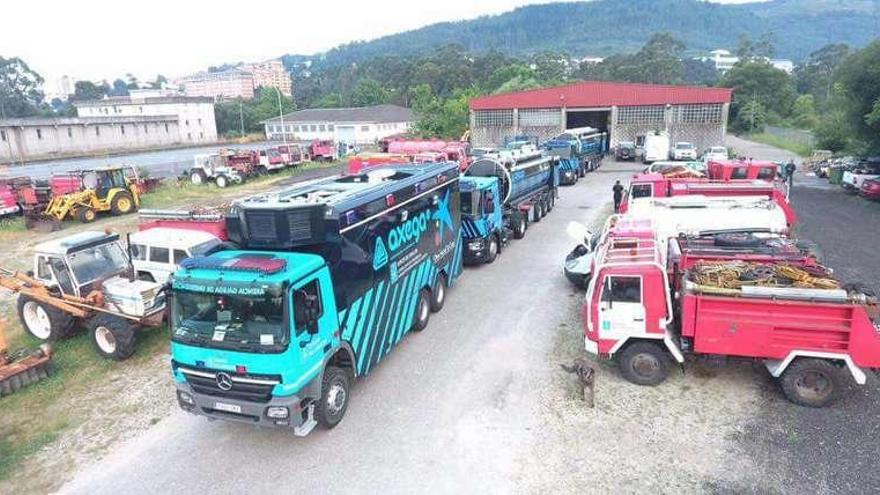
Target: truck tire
{"x": 222, "y": 181}
{"x": 86, "y": 214}
{"x": 423, "y": 311}
{"x": 812, "y": 382}
{"x": 335, "y": 392}
{"x": 122, "y": 204}
{"x": 545, "y": 207}
{"x": 43, "y": 321}
{"x": 198, "y": 177}
{"x": 438, "y": 293}
{"x": 520, "y": 225}
{"x": 643, "y": 363}
{"x": 112, "y": 337}
{"x": 492, "y": 249}
{"x": 537, "y": 211}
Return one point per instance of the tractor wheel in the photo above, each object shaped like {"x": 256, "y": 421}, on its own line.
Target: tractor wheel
{"x": 113, "y": 337}
{"x": 222, "y": 181}
{"x": 198, "y": 177}
{"x": 122, "y": 204}
{"x": 43, "y": 321}
{"x": 812, "y": 382}
{"x": 86, "y": 214}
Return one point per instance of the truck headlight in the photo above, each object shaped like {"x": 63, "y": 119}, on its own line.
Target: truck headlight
{"x": 277, "y": 412}
{"x": 475, "y": 245}
{"x": 185, "y": 398}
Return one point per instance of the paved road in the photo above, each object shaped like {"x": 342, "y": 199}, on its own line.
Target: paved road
{"x": 163, "y": 163}
{"x": 453, "y": 408}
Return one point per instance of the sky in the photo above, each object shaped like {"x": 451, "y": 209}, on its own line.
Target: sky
{"x": 102, "y": 39}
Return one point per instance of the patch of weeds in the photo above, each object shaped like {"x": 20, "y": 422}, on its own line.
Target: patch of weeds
{"x": 14, "y": 452}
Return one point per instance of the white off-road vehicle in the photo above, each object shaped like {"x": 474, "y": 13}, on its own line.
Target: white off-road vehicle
{"x": 156, "y": 252}
{"x": 214, "y": 167}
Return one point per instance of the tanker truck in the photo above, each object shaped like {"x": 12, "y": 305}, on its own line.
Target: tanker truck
{"x": 529, "y": 183}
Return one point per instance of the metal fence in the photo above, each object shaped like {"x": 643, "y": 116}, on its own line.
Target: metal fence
{"x": 793, "y": 135}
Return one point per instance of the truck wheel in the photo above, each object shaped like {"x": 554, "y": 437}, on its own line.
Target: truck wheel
{"x": 43, "y": 321}
{"x": 86, "y": 214}
{"x": 812, "y": 382}
{"x": 112, "y": 337}
{"x": 519, "y": 226}
{"x": 423, "y": 311}
{"x": 222, "y": 181}
{"x": 545, "y": 207}
{"x": 492, "y": 250}
{"x": 643, "y": 363}
{"x": 335, "y": 388}
{"x": 122, "y": 204}
{"x": 551, "y": 201}
{"x": 438, "y": 294}
{"x": 262, "y": 171}
{"x": 537, "y": 211}
{"x": 197, "y": 177}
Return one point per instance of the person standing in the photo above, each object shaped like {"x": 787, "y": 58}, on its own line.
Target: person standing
{"x": 789, "y": 172}
{"x": 618, "y": 195}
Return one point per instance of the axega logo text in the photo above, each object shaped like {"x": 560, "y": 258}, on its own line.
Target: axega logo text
{"x": 410, "y": 231}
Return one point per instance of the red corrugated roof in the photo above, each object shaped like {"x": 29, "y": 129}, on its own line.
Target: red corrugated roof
{"x": 602, "y": 94}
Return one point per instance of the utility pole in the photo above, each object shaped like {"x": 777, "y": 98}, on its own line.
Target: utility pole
{"x": 281, "y": 116}
{"x": 241, "y": 116}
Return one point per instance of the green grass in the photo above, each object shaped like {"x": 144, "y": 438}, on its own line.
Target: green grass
{"x": 14, "y": 224}
{"x": 800, "y": 149}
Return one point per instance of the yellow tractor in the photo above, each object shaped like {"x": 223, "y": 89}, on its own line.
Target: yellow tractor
{"x": 83, "y": 194}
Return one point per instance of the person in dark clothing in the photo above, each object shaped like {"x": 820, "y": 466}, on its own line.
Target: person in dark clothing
{"x": 789, "y": 172}
{"x": 618, "y": 195}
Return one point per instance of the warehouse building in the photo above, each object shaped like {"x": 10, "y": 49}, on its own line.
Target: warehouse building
{"x": 197, "y": 124}
{"x": 626, "y": 111}
{"x": 359, "y": 125}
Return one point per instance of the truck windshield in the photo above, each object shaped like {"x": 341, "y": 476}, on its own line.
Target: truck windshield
{"x": 97, "y": 262}
{"x": 250, "y": 324}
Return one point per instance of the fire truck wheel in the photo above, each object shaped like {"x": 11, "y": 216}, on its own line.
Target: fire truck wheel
{"x": 519, "y": 225}
{"x": 43, "y": 321}
{"x": 335, "y": 387}
{"x": 86, "y": 214}
{"x": 423, "y": 311}
{"x": 197, "y": 177}
{"x": 122, "y": 204}
{"x": 492, "y": 250}
{"x": 812, "y": 382}
{"x": 438, "y": 294}
{"x": 112, "y": 337}
{"x": 222, "y": 181}
{"x": 643, "y": 363}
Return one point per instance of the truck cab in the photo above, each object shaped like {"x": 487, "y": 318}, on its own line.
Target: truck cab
{"x": 251, "y": 335}
{"x": 482, "y": 223}
{"x": 271, "y": 160}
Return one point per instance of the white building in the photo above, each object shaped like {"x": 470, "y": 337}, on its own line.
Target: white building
{"x": 27, "y": 139}
{"x": 724, "y": 61}
{"x": 195, "y": 115}
{"x": 361, "y": 125}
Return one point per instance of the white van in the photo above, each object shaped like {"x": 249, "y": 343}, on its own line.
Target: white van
{"x": 156, "y": 252}
{"x": 656, "y": 147}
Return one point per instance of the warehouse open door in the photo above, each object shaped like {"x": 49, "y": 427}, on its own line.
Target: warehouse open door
{"x": 598, "y": 118}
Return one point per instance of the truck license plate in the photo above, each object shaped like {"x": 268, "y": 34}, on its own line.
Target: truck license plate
{"x": 220, "y": 406}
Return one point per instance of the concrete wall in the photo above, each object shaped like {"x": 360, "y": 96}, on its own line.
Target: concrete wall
{"x": 21, "y": 143}
{"x": 364, "y": 133}
{"x": 197, "y": 121}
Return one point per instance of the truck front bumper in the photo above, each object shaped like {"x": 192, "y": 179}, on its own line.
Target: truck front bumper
{"x": 241, "y": 411}
{"x": 568, "y": 177}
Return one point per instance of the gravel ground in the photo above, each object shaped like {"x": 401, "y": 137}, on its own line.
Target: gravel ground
{"x": 831, "y": 450}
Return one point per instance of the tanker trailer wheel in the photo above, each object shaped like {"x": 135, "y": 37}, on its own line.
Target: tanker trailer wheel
{"x": 423, "y": 311}
{"x": 537, "y": 211}
{"x": 643, "y": 363}
{"x": 520, "y": 225}
{"x": 43, "y": 321}
{"x": 335, "y": 392}
{"x": 812, "y": 382}
{"x": 112, "y": 337}
{"x": 438, "y": 294}
{"x": 545, "y": 207}
{"x": 222, "y": 181}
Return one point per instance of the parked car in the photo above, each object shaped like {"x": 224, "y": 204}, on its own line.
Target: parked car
{"x": 684, "y": 151}
{"x": 715, "y": 153}
{"x": 870, "y": 189}
{"x": 864, "y": 170}
{"x": 157, "y": 252}
{"x": 626, "y": 150}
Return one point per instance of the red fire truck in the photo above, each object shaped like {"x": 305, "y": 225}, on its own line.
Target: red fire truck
{"x": 809, "y": 338}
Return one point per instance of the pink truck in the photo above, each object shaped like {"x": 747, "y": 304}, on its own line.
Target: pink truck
{"x": 452, "y": 150}
{"x": 810, "y": 336}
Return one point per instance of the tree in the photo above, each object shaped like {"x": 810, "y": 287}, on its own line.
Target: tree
{"x": 159, "y": 83}
{"x": 132, "y": 81}
{"x": 657, "y": 62}
{"x": 120, "y": 88}
{"x": 859, "y": 79}
{"x": 751, "y": 116}
{"x": 20, "y": 95}
{"x": 816, "y": 75}
{"x": 87, "y": 90}
{"x": 699, "y": 72}
{"x": 748, "y": 50}
{"x": 758, "y": 81}
{"x": 369, "y": 91}
{"x": 803, "y": 113}
{"x": 265, "y": 104}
